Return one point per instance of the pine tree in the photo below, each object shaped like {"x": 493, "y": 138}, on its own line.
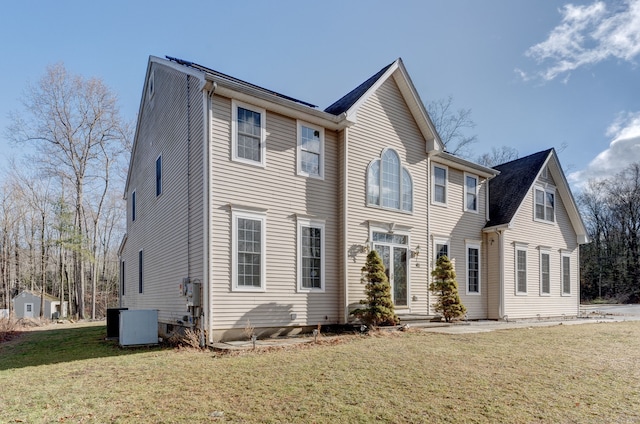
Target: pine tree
{"x": 379, "y": 310}
{"x": 445, "y": 286}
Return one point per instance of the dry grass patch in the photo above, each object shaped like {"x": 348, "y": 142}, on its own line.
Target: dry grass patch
{"x": 582, "y": 373}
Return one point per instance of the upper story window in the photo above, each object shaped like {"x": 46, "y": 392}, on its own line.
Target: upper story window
{"x": 471, "y": 187}
{"x": 159, "y": 176}
{"x": 248, "y": 133}
{"x": 133, "y": 206}
{"x": 440, "y": 184}
{"x": 310, "y": 150}
{"x": 544, "y": 204}
{"x": 389, "y": 184}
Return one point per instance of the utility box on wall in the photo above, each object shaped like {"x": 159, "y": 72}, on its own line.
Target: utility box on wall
{"x": 138, "y": 327}
{"x": 194, "y": 297}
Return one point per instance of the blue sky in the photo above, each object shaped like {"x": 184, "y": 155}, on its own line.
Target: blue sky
{"x": 536, "y": 74}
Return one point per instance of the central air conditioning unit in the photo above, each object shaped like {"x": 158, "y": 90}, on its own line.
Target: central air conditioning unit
{"x": 138, "y": 327}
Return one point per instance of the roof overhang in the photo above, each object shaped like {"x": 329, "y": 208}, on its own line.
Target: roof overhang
{"x": 463, "y": 164}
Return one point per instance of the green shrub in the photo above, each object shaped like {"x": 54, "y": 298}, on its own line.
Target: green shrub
{"x": 445, "y": 286}
{"x": 379, "y": 310}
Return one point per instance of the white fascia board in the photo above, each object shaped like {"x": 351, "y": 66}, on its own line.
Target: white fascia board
{"x": 279, "y": 105}
{"x": 417, "y": 108}
{"x": 464, "y": 165}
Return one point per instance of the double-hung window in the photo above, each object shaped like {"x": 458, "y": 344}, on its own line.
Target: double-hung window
{"x": 471, "y": 193}
{"x": 473, "y": 268}
{"x": 544, "y": 204}
{"x": 310, "y": 255}
{"x": 566, "y": 273}
{"x": 439, "y": 184}
{"x": 545, "y": 272}
{"x": 521, "y": 268}
{"x": 310, "y": 150}
{"x": 389, "y": 184}
{"x": 248, "y": 132}
{"x": 249, "y": 250}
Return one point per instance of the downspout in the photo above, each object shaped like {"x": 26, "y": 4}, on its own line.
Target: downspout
{"x": 207, "y": 273}
{"x": 428, "y": 244}
{"x": 345, "y": 222}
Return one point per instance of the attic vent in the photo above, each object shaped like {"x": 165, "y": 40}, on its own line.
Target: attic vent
{"x": 151, "y": 86}
{"x": 545, "y": 172}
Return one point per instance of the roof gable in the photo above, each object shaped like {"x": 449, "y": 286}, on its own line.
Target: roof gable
{"x": 508, "y": 190}
{"x": 350, "y": 103}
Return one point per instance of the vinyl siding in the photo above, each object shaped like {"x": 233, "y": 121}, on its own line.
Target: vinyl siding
{"x": 460, "y": 227}
{"x": 384, "y": 121}
{"x": 558, "y": 237}
{"x": 278, "y": 190}
{"x": 172, "y": 116}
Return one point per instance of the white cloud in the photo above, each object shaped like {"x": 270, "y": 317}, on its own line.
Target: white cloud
{"x": 623, "y": 150}
{"x": 588, "y": 35}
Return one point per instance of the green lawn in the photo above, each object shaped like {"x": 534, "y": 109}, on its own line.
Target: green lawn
{"x": 564, "y": 374}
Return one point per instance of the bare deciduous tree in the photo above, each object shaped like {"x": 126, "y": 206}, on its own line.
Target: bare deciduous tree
{"x": 498, "y": 155}
{"x": 452, "y": 126}
{"x": 78, "y": 131}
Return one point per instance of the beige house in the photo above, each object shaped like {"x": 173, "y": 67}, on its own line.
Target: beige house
{"x": 248, "y": 209}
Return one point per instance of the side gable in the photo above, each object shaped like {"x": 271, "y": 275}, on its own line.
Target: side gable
{"x": 352, "y": 101}
{"x": 509, "y": 190}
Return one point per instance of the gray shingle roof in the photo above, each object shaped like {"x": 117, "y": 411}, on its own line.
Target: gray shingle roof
{"x": 507, "y": 190}
{"x": 230, "y": 78}
{"x": 352, "y": 97}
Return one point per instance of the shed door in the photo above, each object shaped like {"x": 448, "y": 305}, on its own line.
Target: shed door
{"x": 28, "y": 310}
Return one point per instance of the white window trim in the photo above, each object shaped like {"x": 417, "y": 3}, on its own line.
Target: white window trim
{"x": 521, "y": 247}
{"x": 440, "y": 240}
{"x": 544, "y": 251}
{"x": 313, "y": 223}
{"x": 565, "y": 254}
{"x": 161, "y": 175}
{"x": 474, "y": 245}
{"x": 256, "y": 216}
{"x": 234, "y": 133}
{"x": 477, "y": 193}
{"x": 433, "y": 184}
{"x": 401, "y": 232}
{"x": 402, "y": 168}
{"x": 320, "y": 175}
{"x": 548, "y": 189}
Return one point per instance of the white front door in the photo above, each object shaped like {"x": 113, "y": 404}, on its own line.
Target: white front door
{"x": 28, "y": 310}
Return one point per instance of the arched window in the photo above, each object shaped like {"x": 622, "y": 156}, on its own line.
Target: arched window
{"x": 389, "y": 184}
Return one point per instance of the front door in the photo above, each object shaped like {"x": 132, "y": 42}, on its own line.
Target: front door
{"x": 393, "y": 250}
{"x": 28, "y": 310}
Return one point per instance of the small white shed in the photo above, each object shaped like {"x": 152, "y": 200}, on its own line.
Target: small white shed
{"x": 27, "y": 305}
